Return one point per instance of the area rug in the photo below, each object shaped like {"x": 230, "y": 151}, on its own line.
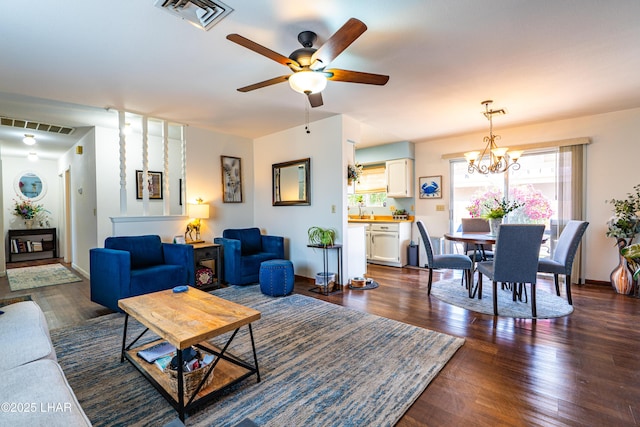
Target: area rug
{"x": 321, "y": 365}
{"x": 40, "y": 275}
{"x": 548, "y": 305}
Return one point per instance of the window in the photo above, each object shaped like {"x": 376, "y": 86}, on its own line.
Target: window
{"x": 535, "y": 183}
{"x": 371, "y": 189}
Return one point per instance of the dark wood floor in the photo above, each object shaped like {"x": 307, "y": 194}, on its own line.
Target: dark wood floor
{"x": 583, "y": 369}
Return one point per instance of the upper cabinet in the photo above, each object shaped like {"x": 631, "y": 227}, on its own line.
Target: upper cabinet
{"x": 399, "y": 178}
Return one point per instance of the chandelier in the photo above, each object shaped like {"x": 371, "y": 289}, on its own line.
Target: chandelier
{"x": 492, "y": 159}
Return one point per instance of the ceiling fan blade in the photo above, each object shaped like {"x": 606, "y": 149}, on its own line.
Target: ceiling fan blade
{"x": 338, "y": 42}
{"x": 315, "y": 99}
{"x": 265, "y": 83}
{"x": 356, "y": 77}
{"x": 264, "y": 51}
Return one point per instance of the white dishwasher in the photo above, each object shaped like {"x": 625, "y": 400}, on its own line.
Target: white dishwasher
{"x": 385, "y": 243}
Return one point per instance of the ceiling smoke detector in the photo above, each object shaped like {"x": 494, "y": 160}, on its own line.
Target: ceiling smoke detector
{"x": 203, "y": 14}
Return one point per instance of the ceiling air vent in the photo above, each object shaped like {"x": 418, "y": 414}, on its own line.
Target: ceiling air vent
{"x": 27, "y": 124}
{"x": 203, "y": 14}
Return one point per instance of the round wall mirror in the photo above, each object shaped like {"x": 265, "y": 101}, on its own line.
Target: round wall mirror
{"x": 30, "y": 185}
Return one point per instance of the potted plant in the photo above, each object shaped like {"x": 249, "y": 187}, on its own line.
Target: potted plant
{"x": 624, "y": 225}
{"x": 321, "y": 236}
{"x": 497, "y": 210}
{"x": 354, "y": 172}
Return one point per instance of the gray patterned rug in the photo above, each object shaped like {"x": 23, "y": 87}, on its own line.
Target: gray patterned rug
{"x": 547, "y": 304}
{"x": 321, "y": 365}
{"x": 39, "y": 276}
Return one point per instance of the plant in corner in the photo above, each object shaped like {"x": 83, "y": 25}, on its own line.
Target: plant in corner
{"x": 321, "y": 236}
{"x": 625, "y": 222}
{"x": 624, "y": 225}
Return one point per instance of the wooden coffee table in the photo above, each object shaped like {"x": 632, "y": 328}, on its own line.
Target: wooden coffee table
{"x": 189, "y": 319}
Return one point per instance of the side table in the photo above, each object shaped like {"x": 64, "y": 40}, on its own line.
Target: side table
{"x": 325, "y": 263}
{"x": 209, "y": 255}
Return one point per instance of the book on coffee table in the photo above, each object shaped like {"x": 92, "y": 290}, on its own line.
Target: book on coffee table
{"x": 157, "y": 351}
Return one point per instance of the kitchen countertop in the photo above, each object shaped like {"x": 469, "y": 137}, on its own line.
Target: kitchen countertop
{"x": 378, "y": 218}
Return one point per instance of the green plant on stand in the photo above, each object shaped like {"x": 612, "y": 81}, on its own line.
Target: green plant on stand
{"x": 321, "y": 236}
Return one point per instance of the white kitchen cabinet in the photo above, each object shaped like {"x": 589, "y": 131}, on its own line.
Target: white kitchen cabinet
{"x": 388, "y": 243}
{"x": 399, "y": 178}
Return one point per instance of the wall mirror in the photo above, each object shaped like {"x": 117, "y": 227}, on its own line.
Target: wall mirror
{"x": 291, "y": 183}
{"x": 30, "y": 185}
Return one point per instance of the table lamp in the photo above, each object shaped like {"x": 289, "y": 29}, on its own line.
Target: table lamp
{"x": 196, "y": 212}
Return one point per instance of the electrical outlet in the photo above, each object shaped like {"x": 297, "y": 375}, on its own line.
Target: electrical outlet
{"x": 413, "y": 208}
{"x": 439, "y": 208}
{"x": 333, "y": 208}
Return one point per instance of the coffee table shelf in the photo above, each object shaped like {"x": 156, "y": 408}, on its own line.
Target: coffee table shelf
{"x": 225, "y": 374}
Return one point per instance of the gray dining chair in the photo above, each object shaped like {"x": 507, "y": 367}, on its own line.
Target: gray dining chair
{"x": 474, "y": 225}
{"x": 450, "y": 261}
{"x": 561, "y": 262}
{"x": 515, "y": 261}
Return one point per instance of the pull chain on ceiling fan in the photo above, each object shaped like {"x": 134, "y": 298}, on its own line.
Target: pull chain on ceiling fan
{"x": 309, "y": 64}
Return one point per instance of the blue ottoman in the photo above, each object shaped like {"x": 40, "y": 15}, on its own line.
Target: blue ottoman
{"x": 276, "y": 277}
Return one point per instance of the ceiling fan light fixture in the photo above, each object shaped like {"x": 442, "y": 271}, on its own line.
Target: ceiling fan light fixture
{"x": 29, "y": 139}
{"x": 308, "y": 82}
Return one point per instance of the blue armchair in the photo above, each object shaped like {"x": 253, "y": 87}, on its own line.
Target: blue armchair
{"x": 244, "y": 249}
{"x": 136, "y": 265}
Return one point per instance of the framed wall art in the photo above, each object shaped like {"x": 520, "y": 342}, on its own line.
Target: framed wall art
{"x": 154, "y": 183}
{"x": 231, "y": 179}
{"x": 430, "y": 187}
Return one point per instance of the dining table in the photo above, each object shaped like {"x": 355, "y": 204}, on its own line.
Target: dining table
{"x": 477, "y": 238}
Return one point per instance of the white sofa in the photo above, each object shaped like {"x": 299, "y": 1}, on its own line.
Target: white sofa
{"x": 34, "y": 390}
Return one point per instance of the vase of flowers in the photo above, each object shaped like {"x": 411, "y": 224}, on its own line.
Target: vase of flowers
{"x": 536, "y": 207}
{"x": 496, "y": 211}
{"x": 28, "y": 211}
{"x": 624, "y": 225}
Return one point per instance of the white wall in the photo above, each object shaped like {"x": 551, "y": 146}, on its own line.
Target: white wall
{"x": 12, "y": 167}
{"x": 324, "y": 146}
{"x": 204, "y": 179}
{"x": 47, "y": 170}
{"x": 611, "y": 169}
{"x": 83, "y": 199}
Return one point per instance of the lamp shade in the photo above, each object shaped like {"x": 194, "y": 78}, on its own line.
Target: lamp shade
{"x": 308, "y": 81}
{"x": 199, "y": 211}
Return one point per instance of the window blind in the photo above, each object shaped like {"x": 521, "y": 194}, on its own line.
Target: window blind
{"x": 372, "y": 180}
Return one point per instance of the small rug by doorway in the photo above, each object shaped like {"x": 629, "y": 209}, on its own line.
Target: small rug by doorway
{"x": 321, "y": 365}
{"x": 547, "y": 304}
{"x": 39, "y": 276}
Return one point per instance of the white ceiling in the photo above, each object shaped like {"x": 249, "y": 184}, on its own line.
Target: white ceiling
{"x": 539, "y": 60}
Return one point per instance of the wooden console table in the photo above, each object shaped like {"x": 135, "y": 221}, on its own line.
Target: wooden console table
{"x": 36, "y": 243}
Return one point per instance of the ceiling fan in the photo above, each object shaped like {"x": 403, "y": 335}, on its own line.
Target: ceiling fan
{"x": 309, "y": 64}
